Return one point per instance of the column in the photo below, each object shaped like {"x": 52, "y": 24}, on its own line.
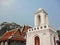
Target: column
{"x": 2, "y": 43}
{"x": 43, "y": 18}
{"x": 35, "y": 23}
{"x": 6, "y": 42}
{"x": 47, "y": 20}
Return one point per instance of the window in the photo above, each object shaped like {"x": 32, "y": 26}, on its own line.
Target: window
{"x": 37, "y": 40}
{"x": 54, "y": 41}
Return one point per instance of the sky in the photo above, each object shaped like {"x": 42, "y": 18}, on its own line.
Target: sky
{"x": 22, "y": 11}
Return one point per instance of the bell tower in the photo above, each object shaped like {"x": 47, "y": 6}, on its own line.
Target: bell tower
{"x": 41, "y": 17}
{"x": 41, "y": 33}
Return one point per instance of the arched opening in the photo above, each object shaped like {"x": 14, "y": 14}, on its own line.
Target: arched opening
{"x": 37, "y": 40}
{"x": 38, "y": 20}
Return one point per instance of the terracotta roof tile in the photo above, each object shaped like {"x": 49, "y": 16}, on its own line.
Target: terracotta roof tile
{"x": 9, "y": 35}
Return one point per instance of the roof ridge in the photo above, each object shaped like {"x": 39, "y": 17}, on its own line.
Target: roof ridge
{"x": 12, "y": 29}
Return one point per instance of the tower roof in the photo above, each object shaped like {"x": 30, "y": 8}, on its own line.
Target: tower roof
{"x": 40, "y": 10}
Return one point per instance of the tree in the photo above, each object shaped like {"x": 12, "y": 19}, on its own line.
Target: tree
{"x": 5, "y": 26}
{"x": 58, "y": 31}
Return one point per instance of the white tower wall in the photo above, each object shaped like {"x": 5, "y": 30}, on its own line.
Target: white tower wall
{"x": 41, "y": 29}
{"x": 43, "y": 17}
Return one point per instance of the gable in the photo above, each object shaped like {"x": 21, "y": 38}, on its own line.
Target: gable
{"x": 17, "y": 33}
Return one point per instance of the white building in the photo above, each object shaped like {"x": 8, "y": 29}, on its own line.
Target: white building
{"x": 41, "y": 33}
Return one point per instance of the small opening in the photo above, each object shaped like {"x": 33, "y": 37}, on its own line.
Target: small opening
{"x": 41, "y": 27}
{"x": 32, "y": 29}
{"x": 44, "y": 26}
{"x": 37, "y": 27}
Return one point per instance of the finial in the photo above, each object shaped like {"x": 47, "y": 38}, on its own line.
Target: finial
{"x": 40, "y": 9}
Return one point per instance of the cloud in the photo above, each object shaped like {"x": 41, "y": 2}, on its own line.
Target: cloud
{"x": 6, "y": 6}
{"x": 6, "y": 3}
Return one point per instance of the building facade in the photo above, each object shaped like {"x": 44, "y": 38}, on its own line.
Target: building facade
{"x": 42, "y": 33}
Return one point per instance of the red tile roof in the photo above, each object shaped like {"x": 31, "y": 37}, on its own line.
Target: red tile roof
{"x": 8, "y": 35}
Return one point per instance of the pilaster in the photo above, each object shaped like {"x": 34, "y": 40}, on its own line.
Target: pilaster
{"x": 6, "y": 42}
{"x": 2, "y": 43}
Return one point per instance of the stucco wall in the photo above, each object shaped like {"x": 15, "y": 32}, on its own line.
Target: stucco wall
{"x": 42, "y": 34}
